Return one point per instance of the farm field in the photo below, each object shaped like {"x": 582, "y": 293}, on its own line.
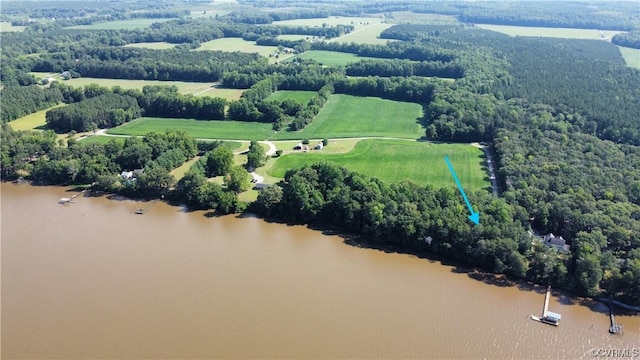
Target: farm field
{"x": 119, "y": 24}
{"x": 234, "y": 130}
{"x": 567, "y": 33}
{"x": 293, "y": 37}
{"x": 330, "y": 58}
{"x": 631, "y": 56}
{"x": 5, "y": 26}
{"x": 161, "y": 45}
{"x": 352, "y": 116}
{"x": 300, "y": 96}
{"x": 401, "y": 17}
{"x": 358, "y": 22}
{"x": 32, "y": 121}
{"x": 396, "y": 160}
{"x": 208, "y": 89}
{"x": 368, "y": 34}
{"x": 236, "y": 44}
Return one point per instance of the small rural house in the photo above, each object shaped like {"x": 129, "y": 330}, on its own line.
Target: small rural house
{"x": 556, "y": 242}
{"x": 319, "y": 146}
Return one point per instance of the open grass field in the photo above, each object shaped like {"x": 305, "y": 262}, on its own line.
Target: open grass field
{"x": 403, "y": 17}
{"x": 567, "y": 33}
{"x": 396, "y": 160}
{"x": 32, "y": 121}
{"x": 631, "y": 56}
{"x": 119, "y": 24}
{"x": 351, "y": 116}
{"x": 332, "y": 21}
{"x": 234, "y": 130}
{"x": 368, "y": 34}
{"x": 292, "y": 37}
{"x": 301, "y": 97}
{"x": 152, "y": 45}
{"x": 102, "y": 139}
{"x": 237, "y": 44}
{"x": 5, "y": 26}
{"x": 329, "y": 58}
{"x": 195, "y": 88}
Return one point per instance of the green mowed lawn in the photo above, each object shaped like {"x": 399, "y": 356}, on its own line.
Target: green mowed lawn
{"x": 300, "y": 96}
{"x": 237, "y": 44}
{"x": 161, "y": 45}
{"x": 567, "y": 33}
{"x": 329, "y": 58}
{"x": 234, "y": 130}
{"x": 346, "y": 116}
{"x": 119, "y": 24}
{"x": 101, "y": 139}
{"x": 396, "y": 160}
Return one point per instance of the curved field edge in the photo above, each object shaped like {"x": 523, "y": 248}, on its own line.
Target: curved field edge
{"x": 397, "y": 160}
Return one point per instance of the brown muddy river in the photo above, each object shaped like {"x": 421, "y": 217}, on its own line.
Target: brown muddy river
{"x": 94, "y": 280}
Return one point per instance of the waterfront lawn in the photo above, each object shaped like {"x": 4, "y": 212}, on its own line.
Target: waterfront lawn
{"x": 346, "y": 116}
{"x": 33, "y": 121}
{"x": 299, "y": 96}
{"x": 199, "y": 129}
{"x": 119, "y": 24}
{"x": 396, "y": 160}
{"x": 329, "y": 58}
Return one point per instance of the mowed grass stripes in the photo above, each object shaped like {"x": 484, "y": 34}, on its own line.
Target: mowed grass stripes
{"x": 396, "y": 160}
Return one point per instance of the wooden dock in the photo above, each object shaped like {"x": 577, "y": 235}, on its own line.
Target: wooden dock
{"x": 141, "y": 211}
{"x": 70, "y": 199}
{"x": 616, "y": 328}
{"x": 547, "y": 317}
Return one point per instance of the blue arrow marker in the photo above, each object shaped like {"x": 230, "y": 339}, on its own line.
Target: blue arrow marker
{"x": 474, "y": 217}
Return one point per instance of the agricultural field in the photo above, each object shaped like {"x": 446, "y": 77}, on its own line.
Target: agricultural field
{"x": 403, "y": 17}
{"x": 330, "y": 58}
{"x": 369, "y": 34}
{"x": 195, "y": 88}
{"x": 346, "y": 116}
{"x": 396, "y": 160}
{"x": 358, "y": 22}
{"x": 237, "y": 44}
{"x": 299, "y": 96}
{"x": 567, "y": 33}
{"x": 292, "y": 37}
{"x": 631, "y": 56}
{"x": 161, "y": 45}
{"x": 34, "y": 121}
{"x": 119, "y": 24}
{"x": 5, "y": 26}
{"x": 200, "y": 129}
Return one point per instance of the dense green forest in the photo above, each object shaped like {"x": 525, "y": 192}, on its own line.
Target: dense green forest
{"x": 559, "y": 115}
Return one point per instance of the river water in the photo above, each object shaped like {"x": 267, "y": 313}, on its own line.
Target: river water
{"x": 93, "y": 280}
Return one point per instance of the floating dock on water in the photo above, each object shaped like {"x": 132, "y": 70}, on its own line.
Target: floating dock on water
{"x": 548, "y": 317}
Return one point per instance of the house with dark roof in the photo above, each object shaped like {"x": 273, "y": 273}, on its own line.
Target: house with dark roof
{"x": 556, "y": 242}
